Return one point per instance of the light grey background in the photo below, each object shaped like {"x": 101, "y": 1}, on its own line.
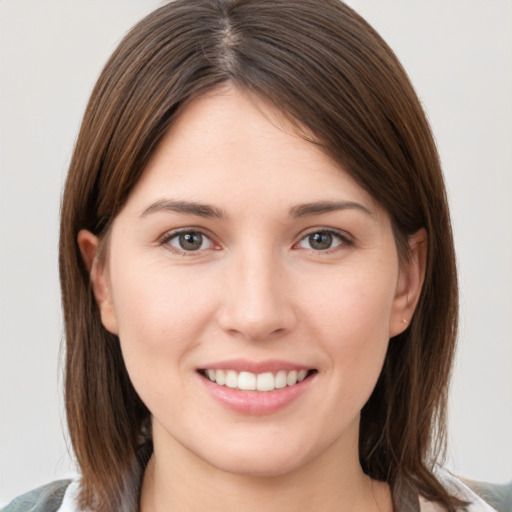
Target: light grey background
{"x": 459, "y": 56}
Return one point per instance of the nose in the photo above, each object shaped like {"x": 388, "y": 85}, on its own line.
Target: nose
{"x": 258, "y": 299}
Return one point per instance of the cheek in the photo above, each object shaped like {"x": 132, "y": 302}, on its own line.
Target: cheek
{"x": 160, "y": 314}
{"x": 355, "y": 304}
{"x": 351, "y": 320}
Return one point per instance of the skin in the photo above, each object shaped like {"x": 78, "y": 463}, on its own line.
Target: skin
{"x": 256, "y": 289}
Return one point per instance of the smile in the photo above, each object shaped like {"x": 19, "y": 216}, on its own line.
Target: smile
{"x": 256, "y": 388}
{"x": 248, "y": 381}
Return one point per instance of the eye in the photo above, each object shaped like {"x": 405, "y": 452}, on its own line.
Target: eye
{"x": 188, "y": 241}
{"x": 322, "y": 241}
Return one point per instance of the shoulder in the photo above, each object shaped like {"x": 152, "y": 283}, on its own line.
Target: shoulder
{"x": 499, "y": 496}
{"x": 482, "y": 497}
{"x": 58, "y": 496}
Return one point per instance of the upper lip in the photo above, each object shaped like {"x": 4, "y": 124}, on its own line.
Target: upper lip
{"x": 243, "y": 365}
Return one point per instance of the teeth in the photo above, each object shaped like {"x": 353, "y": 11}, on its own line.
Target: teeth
{"x": 265, "y": 382}
{"x": 247, "y": 380}
{"x": 260, "y": 382}
{"x": 280, "y": 380}
{"x": 231, "y": 379}
{"x": 220, "y": 377}
{"x": 291, "y": 378}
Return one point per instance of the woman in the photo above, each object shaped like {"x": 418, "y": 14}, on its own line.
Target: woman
{"x": 255, "y": 296}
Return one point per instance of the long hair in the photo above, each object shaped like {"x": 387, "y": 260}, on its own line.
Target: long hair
{"x": 327, "y": 70}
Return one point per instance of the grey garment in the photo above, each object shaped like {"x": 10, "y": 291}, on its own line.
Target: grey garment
{"x": 47, "y": 498}
{"x": 498, "y": 496}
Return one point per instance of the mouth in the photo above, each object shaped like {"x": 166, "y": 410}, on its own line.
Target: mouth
{"x": 263, "y": 382}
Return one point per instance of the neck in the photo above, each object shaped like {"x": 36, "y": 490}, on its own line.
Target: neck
{"x": 178, "y": 480}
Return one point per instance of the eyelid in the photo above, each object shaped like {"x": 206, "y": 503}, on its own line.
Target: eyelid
{"x": 346, "y": 239}
{"x": 173, "y": 233}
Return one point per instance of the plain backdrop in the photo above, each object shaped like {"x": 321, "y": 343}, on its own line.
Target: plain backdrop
{"x": 459, "y": 56}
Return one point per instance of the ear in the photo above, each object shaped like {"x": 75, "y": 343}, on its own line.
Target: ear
{"x": 98, "y": 275}
{"x": 410, "y": 283}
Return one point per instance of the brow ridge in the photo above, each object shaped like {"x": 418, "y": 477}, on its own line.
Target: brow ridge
{"x": 186, "y": 207}
{"x": 319, "y": 207}
{"x": 209, "y": 211}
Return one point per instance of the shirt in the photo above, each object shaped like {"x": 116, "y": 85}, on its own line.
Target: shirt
{"x": 61, "y": 496}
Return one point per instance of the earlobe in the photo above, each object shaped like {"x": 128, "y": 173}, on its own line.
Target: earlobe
{"x": 89, "y": 248}
{"x": 410, "y": 283}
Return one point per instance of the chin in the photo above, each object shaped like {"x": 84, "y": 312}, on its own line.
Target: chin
{"x": 265, "y": 460}
{"x": 272, "y": 467}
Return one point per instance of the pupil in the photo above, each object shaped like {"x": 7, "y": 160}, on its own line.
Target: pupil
{"x": 320, "y": 241}
{"x": 191, "y": 241}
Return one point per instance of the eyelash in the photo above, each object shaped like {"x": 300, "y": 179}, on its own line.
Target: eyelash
{"x": 168, "y": 237}
{"x": 343, "y": 239}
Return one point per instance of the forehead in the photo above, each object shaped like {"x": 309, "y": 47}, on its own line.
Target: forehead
{"x": 231, "y": 146}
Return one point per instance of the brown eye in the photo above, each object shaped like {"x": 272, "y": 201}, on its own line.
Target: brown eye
{"x": 189, "y": 241}
{"x": 321, "y": 241}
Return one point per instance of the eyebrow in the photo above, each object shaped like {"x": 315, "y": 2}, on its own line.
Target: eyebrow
{"x": 209, "y": 211}
{"x": 187, "y": 207}
{"x": 317, "y": 208}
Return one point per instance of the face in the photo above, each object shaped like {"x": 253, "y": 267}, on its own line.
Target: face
{"x": 254, "y": 287}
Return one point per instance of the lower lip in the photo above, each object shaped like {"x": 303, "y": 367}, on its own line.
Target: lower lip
{"x": 256, "y": 402}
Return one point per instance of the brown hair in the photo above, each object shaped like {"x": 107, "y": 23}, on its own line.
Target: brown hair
{"x": 323, "y": 66}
